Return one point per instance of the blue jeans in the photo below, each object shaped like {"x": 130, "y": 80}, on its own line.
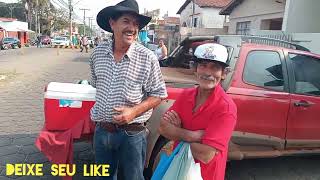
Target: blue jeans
{"x": 122, "y": 150}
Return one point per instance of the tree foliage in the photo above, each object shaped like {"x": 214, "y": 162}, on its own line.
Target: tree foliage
{"x": 89, "y": 31}
{"x": 17, "y": 10}
{"x": 51, "y": 18}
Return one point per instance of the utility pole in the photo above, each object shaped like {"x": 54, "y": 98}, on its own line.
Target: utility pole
{"x": 70, "y": 19}
{"x": 37, "y": 18}
{"x": 26, "y": 7}
{"x": 84, "y": 19}
{"x": 192, "y": 20}
{"x": 11, "y": 9}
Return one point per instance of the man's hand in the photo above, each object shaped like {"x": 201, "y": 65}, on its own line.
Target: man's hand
{"x": 173, "y": 118}
{"x": 126, "y": 115}
{"x": 175, "y": 133}
{"x": 196, "y": 136}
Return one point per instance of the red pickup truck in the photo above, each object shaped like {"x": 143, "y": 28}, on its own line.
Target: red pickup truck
{"x": 275, "y": 85}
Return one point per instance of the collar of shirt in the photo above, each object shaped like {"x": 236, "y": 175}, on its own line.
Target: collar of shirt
{"x": 129, "y": 54}
{"x": 212, "y": 99}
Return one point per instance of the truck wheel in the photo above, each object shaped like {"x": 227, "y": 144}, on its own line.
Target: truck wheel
{"x": 155, "y": 156}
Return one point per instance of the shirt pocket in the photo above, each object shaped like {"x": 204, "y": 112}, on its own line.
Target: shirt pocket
{"x": 133, "y": 92}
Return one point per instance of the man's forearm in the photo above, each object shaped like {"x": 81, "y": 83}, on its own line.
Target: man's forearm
{"x": 202, "y": 152}
{"x": 149, "y": 103}
{"x": 176, "y": 133}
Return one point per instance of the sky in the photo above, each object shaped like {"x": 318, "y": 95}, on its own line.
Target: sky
{"x": 172, "y": 6}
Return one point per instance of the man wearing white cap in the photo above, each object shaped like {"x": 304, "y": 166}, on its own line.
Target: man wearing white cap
{"x": 204, "y": 116}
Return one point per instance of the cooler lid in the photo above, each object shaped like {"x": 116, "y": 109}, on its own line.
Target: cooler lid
{"x": 71, "y": 88}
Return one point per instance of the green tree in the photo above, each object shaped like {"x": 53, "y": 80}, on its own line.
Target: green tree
{"x": 88, "y": 30}
{"x": 13, "y": 10}
{"x": 59, "y": 20}
{"x": 51, "y": 18}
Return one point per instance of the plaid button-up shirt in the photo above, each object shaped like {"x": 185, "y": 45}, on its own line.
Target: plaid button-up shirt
{"x": 126, "y": 83}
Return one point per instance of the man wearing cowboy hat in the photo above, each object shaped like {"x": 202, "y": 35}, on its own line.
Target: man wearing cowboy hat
{"x": 204, "y": 116}
{"x": 129, "y": 84}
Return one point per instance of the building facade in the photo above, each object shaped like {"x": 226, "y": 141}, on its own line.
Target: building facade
{"x": 248, "y": 15}
{"x": 10, "y": 27}
{"x": 201, "y": 17}
{"x": 292, "y": 16}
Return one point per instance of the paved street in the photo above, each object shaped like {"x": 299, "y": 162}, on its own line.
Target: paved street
{"x": 27, "y": 72}
{"x": 23, "y": 76}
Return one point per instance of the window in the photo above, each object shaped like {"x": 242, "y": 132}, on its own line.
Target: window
{"x": 243, "y": 28}
{"x": 169, "y": 28}
{"x": 195, "y": 22}
{"x": 306, "y": 73}
{"x": 263, "y": 68}
{"x": 184, "y": 24}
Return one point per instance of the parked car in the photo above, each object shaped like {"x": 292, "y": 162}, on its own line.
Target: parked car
{"x": 90, "y": 41}
{"x": 45, "y": 40}
{"x": 276, "y": 90}
{"x": 4, "y": 46}
{"x": 12, "y": 42}
{"x": 60, "y": 41}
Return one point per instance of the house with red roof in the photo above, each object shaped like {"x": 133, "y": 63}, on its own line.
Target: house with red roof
{"x": 10, "y": 27}
{"x": 201, "y": 17}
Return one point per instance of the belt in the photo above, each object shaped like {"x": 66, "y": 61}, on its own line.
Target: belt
{"x": 112, "y": 127}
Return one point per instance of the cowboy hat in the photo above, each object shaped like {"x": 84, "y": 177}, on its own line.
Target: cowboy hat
{"x": 126, "y": 6}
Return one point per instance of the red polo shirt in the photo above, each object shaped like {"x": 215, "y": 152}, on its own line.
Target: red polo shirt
{"x": 217, "y": 116}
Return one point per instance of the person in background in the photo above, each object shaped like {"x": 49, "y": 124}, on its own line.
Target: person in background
{"x": 74, "y": 40}
{"x": 96, "y": 41}
{"x": 129, "y": 85}
{"x": 204, "y": 116}
{"x": 161, "y": 52}
{"x": 84, "y": 42}
{"x": 39, "y": 44}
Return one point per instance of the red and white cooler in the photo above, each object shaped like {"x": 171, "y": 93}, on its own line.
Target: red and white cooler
{"x": 65, "y": 104}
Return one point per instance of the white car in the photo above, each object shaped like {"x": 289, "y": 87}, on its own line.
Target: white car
{"x": 60, "y": 41}
{"x": 91, "y": 42}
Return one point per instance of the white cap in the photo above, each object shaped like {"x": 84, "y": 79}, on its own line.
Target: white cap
{"x": 213, "y": 52}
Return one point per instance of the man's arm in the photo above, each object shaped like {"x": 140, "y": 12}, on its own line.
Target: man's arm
{"x": 175, "y": 133}
{"x": 93, "y": 78}
{"x": 147, "y": 104}
{"x": 202, "y": 152}
{"x": 127, "y": 114}
{"x": 170, "y": 127}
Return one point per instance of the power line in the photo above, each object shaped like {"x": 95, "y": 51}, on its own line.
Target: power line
{"x": 63, "y": 3}
{"x": 59, "y": 4}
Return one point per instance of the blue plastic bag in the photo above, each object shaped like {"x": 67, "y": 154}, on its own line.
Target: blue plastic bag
{"x": 164, "y": 163}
